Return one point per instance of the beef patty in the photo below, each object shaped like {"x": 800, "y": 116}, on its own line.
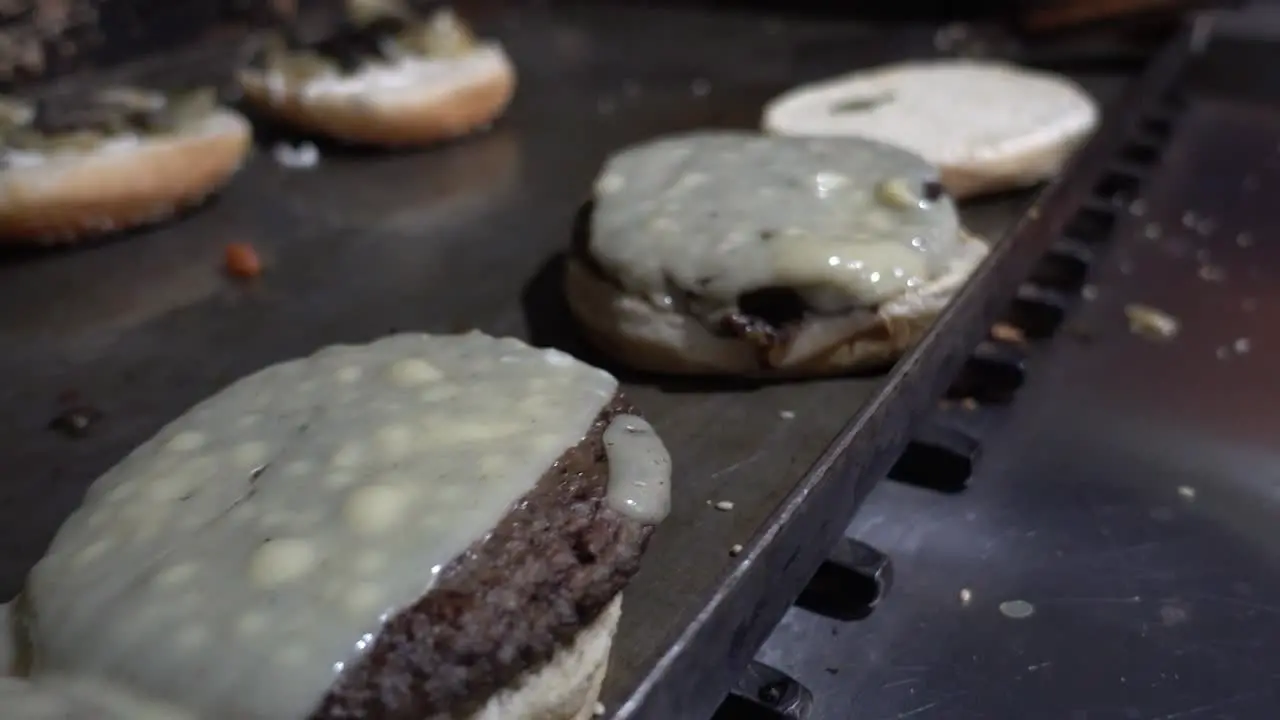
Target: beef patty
{"x": 503, "y": 608}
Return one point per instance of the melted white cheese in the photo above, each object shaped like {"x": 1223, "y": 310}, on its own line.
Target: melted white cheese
{"x": 237, "y": 561}
{"x": 639, "y": 470}
{"x": 719, "y": 214}
{"x": 60, "y": 698}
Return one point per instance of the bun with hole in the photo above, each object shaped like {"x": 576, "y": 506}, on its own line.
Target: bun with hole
{"x": 386, "y": 78}
{"x": 422, "y": 527}
{"x": 987, "y": 125}
{"x": 74, "y": 167}
{"x": 720, "y": 253}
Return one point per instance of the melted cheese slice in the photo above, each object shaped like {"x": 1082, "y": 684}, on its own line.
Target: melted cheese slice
{"x": 720, "y": 214}
{"x": 235, "y": 563}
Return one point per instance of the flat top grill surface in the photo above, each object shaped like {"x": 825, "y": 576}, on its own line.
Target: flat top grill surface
{"x": 1128, "y": 497}
{"x": 465, "y": 236}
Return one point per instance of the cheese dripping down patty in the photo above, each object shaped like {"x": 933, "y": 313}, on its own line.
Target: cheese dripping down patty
{"x": 238, "y": 561}
{"x": 846, "y": 223}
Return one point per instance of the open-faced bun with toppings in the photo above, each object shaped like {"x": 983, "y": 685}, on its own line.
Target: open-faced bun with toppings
{"x": 988, "y": 125}
{"x": 111, "y": 160}
{"x": 422, "y": 527}
{"x": 387, "y": 77}
{"x": 725, "y": 253}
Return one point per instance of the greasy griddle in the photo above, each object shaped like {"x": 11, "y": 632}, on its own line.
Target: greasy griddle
{"x": 468, "y": 236}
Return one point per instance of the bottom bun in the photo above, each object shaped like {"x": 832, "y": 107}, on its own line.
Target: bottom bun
{"x": 646, "y": 338}
{"x": 568, "y": 687}
{"x": 126, "y": 183}
{"x": 416, "y": 103}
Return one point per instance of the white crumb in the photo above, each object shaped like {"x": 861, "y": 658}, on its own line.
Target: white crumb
{"x": 302, "y": 156}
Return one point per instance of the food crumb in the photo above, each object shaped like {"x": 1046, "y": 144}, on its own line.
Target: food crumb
{"x": 302, "y": 156}
{"x": 966, "y": 596}
{"x": 969, "y": 404}
{"x": 1242, "y": 346}
{"x": 76, "y": 421}
{"x": 599, "y": 710}
{"x": 242, "y": 261}
{"x": 1212, "y": 273}
{"x": 1089, "y": 292}
{"x": 724, "y": 506}
{"x": 1151, "y": 323}
{"x": 1017, "y": 609}
{"x": 735, "y": 551}
{"x": 787, "y": 415}
{"x": 1187, "y": 492}
{"x": 1005, "y": 332}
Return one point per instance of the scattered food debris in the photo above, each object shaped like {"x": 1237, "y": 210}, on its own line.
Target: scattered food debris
{"x": 1089, "y": 292}
{"x": 966, "y": 597}
{"x": 1138, "y": 207}
{"x": 724, "y": 506}
{"x": 969, "y": 404}
{"x": 242, "y": 261}
{"x": 787, "y": 415}
{"x": 1212, "y": 273}
{"x": 700, "y": 87}
{"x": 1187, "y": 492}
{"x": 833, "y": 671}
{"x": 1242, "y": 346}
{"x": 599, "y": 710}
{"x": 1034, "y": 212}
{"x": 1004, "y": 332}
{"x": 1172, "y": 615}
{"x": 735, "y": 551}
{"x": 302, "y": 156}
{"x": 1151, "y": 323}
{"x": 1244, "y": 240}
{"x": 1017, "y": 609}
{"x": 1152, "y": 231}
{"x": 76, "y": 421}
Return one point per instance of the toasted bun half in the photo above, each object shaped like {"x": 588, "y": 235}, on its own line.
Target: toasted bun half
{"x": 988, "y": 126}
{"x": 568, "y": 687}
{"x": 62, "y": 197}
{"x": 644, "y": 337}
{"x": 411, "y": 102}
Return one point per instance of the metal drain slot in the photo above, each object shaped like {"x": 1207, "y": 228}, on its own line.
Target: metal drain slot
{"x": 939, "y": 457}
{"x": 849, "y": 585}
{"x": 1038, "y": 311}
{"x": 765, "y": 693}
{"x": 1092, "y": 224}
{"x": 1065, "y": 267}
{"x": 992, "y": 375}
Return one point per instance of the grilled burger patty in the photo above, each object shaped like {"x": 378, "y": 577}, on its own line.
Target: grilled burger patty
{"x": 423, "y": 527}
{"x": 509, "y": 603}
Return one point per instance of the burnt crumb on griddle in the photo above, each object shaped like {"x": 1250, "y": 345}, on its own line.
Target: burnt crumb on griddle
{"x": 76, "y": 421}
